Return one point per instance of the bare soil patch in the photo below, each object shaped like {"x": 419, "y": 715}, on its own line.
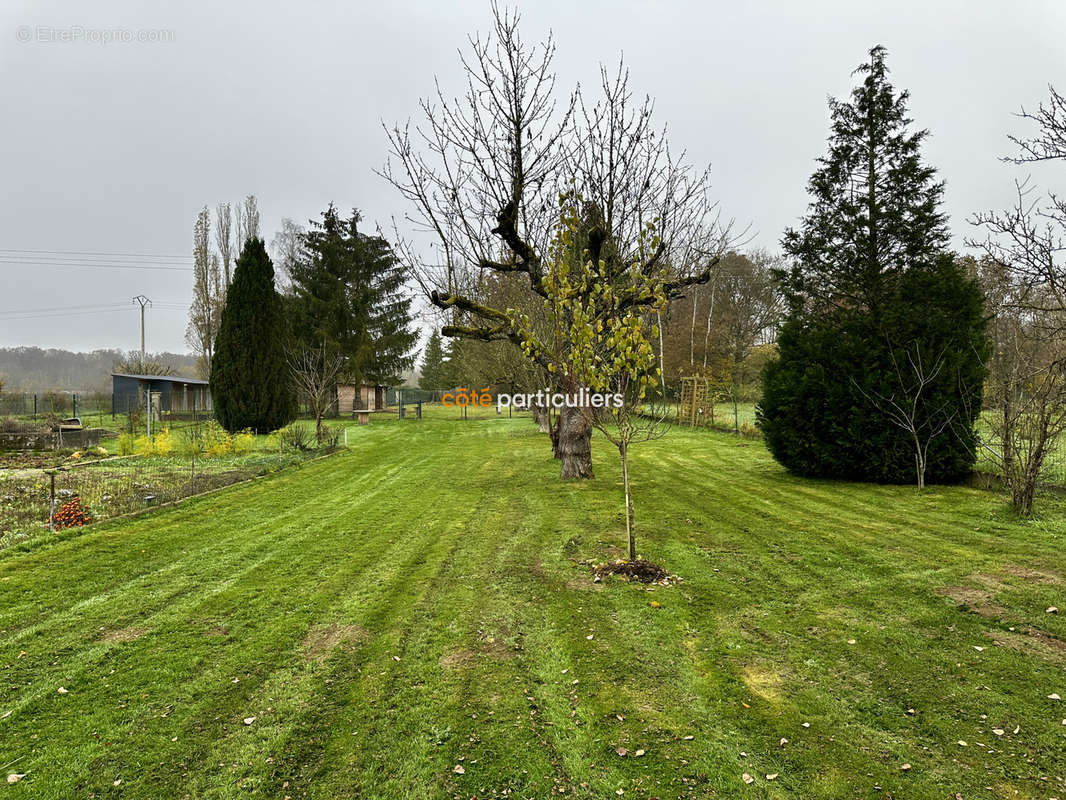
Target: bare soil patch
{"x": 976, "y": 601}
{"x": 123, "y": 634}
{"x": 458, "y": 659}
{"x": 640, "y": 570}
{"x": 321, "y": 641}
{"x": 1032, "y": 575}
{"x": 1031, "y": 641}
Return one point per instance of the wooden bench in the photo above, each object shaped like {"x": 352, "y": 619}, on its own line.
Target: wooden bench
{"x": 362, "y": 414}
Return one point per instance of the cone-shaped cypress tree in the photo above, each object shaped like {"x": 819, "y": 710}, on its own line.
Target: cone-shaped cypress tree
{"x": 870, "y": 290}
{"x": 250, "y": 381}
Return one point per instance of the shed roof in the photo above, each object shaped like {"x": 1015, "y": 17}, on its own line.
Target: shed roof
{"x": 168, "y": 378}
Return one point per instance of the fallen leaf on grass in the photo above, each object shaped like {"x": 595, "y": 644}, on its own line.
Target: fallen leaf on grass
{"x": 1053, "y": 696}
{"x": 978, "y": 648}
{"x": 851, "y": 641}
{"x": 806, "y": 724}
{"x": 906, "y": 768}
{"x": 1052, "y": 610}
{"x": 459, "y": 770}
{"x": 622, "y": 752}
{"x": 961, "y": 743}
{"x": 771, "y": 776}
{"x": 249, "y": 720}
{"x": 62, "y": 690}
{"x": 747, "y": 778}
{"x": 639, "y": 753}
{"x": 998, "y": 731}
{"x": 688, "y": 738}
{"x": 15, "y": 777}
{"x": 783, "y": 741}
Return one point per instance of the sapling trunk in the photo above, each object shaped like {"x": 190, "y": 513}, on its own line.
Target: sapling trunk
{"x": 623, "y": 452}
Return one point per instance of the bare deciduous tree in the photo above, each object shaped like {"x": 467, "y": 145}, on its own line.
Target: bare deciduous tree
{"x": 750, "y": 309}
{"x": 224, "y": 239}
{"x": 286, "y": 247}
{"x": 1027, "y": 395}
{"x": 315, "y": 373}
{"x": 907, "y": 407}
{"x": 206, "y": 309}
{"x": 1024, "y": 275}
{"x": 246, "y": 220}
{"x": 483, "y": 173}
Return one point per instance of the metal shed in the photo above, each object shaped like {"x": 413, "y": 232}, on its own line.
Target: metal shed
{"x": 170, "y": 393}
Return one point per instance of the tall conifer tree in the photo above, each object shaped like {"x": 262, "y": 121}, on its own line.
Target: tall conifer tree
{"x": 875, "y": 207}
{"x": 250, "y": 382}
{"x": 880, "y": 318}
{"x": 349, "y": 293}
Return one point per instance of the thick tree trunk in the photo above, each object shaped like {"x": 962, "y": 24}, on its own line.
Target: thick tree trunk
{"x": 540, "y": 416}
{"x": 574, "y": 444}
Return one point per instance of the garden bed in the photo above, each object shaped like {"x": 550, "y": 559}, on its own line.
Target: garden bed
{"x": 114, "y": 487}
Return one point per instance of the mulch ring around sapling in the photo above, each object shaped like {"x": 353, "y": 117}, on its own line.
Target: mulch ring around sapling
{"x": 638, "y": 571}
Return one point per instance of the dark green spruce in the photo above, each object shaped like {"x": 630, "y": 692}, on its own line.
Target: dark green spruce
{"x": 349, "y": 292}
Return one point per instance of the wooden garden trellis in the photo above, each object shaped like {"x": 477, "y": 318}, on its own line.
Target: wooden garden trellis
{"x": 695, "y": 405}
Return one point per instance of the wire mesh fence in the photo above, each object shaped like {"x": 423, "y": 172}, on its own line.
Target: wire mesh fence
{"x": 60, "y": 404}
{"x": 36, "y": 499}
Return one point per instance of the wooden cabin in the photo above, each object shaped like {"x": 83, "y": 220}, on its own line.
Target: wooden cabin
{"x": 361, "y": 400}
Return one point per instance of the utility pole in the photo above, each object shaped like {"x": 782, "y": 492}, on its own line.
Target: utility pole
{"x": 144, "y": 301}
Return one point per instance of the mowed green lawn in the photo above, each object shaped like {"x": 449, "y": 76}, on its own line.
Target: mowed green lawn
{"x": 408, "y": 619}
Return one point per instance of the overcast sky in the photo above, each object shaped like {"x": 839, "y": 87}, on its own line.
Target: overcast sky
{"x": 111, "y": 148}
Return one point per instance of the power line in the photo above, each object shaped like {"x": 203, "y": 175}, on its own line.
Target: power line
{"x": 65, "y": 314}
{"x": 78, "y": 311}
{"x": 62, "y": 259}
{"x": 99, "y": 253}
{"x": 89, "y": 307}
{"x": 93, "y": 307}
{"x": 93, "y": 265}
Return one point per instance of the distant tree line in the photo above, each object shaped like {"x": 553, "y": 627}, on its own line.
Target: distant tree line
{"x": 33, "y": 369}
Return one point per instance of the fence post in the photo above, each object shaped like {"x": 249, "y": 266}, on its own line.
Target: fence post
{"x": 75, "y": 400}
{"x": 52, "y": 505}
